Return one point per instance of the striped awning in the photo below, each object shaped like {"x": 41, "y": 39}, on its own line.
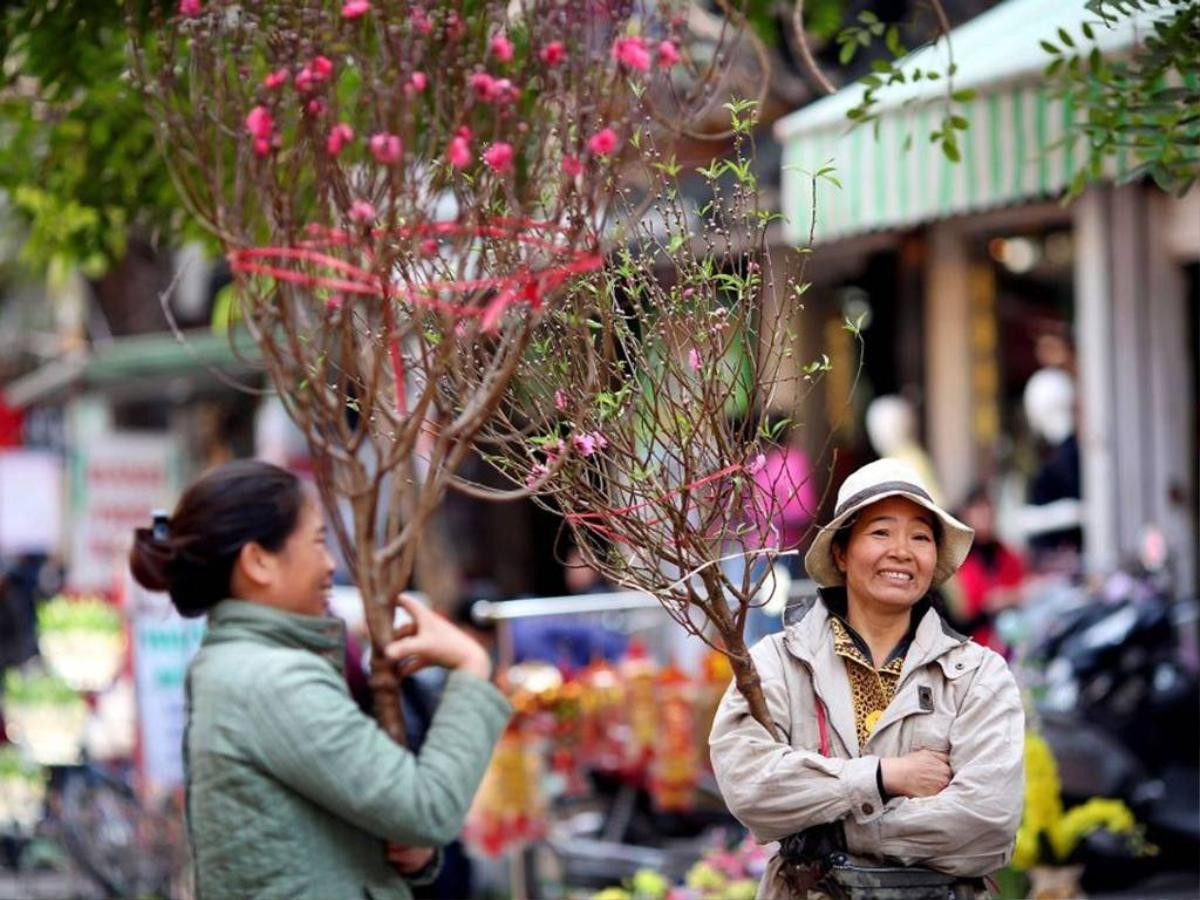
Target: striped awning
{"x": 893, "y": 177}
{"x": 1007, "y": 156}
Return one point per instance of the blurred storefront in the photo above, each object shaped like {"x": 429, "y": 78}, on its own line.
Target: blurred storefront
{"x": 126, "y": 423}
{"x": 973, "y": 276}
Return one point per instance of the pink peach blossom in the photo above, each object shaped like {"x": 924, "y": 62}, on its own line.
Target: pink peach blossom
{"x": 499, "y": 157}
{"x": 536, "y": 472}
{"x": 603, "y": 142}
{"x": 260, "y": 123}
{"x": 322, "y": 68}
{"x": 492, "y": 90}
{"x": 334, "y": 302}
{"x": 276, "y": 78}
{"x": 585, "y": 444}
{"x": 362, "y": 211}
{"x": 417, "y": 82}
{"x": 421, "y": 21}
{"x": 572, "y": 167}
{"x": 756, "y": 465}
{"x": 552, "y": 452}
{"x": 631, "y": 52}
{"x": 352, "y": 9}
{"x": 560, "y": 400}
{"x": 386, "y": 148}
{"x": 189, "y": 8}
{"x": 459, "y": 153}
{"x": 340, "y": 135}
{"x": 482, "y": 84}
{"x": 315, "y": 72}
{"x": 553, "y": 53}
{"x": 694, "y": 359}
{"x": 668, "y": 54}
{"x": 262, "y": 146}
{"x": 315, "y": 106}
{"x": 429, "y": 247}
{"x": 502, "y": 48}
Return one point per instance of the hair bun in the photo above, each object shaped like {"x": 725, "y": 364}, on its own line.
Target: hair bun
{"x": 151, "y": 559}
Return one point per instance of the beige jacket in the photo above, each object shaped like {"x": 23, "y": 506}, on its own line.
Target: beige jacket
{"x": 953, "y": 695}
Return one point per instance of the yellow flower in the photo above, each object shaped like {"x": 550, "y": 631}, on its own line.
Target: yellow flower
{"x": 746, "y": 889}
{"x": 1043, "y": 800}
{"x": 1025, "y": 853}
{"x": 1080, "y": 821}
{"x": 1043, "y": 792}
{"x": 647, "y": 883}
{"x": 703, "y": 877}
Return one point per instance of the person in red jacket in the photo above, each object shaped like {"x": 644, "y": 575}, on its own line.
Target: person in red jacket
{"x": 992, "y": 574}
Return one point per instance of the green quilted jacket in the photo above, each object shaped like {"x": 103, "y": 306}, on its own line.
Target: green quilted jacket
{"x": 291, "y": 790}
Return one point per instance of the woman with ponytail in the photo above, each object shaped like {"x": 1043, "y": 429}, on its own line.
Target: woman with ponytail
{"x": 291, "y": 790}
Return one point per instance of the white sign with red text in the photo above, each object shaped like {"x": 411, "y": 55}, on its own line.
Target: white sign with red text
{"x": 120, "y": 479}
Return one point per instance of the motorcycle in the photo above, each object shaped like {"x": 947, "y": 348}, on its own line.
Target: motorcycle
{"x": 1116, "y": 683}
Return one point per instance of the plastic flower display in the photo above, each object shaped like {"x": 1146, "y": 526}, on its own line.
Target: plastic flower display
{"x": 45, "y": 716}
{"x": 22, "y": 791}
{"x": 82, "y": 641}
{"x": 721, "y": 874}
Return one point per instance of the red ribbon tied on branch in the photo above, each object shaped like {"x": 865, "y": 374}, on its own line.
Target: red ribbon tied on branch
{"x": 318, "y": 262}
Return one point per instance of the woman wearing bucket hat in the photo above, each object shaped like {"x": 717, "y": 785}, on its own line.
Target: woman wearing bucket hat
{"x": 903, "y": 741}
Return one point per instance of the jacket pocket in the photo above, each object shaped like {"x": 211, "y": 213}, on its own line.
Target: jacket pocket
{"x": 931, "y": 732}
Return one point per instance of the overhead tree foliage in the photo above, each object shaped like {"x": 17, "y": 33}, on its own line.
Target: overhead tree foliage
{"x": 1137, "y": 114}
{"x": 77, "y": 156}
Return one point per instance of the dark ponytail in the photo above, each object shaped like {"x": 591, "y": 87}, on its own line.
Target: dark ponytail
{"x": 193, "y": 556}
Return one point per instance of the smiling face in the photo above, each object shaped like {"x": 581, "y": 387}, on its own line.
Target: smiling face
{"x": 298, "y": 576}
{"x": 891, "y": 553}
{"x": 305, "y": 565}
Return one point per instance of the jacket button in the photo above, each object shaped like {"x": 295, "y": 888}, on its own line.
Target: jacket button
{"x": 867, "y": 809}
{"x": 958, "y": 665}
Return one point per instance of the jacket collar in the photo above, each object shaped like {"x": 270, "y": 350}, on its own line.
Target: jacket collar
{"x": 836, "y": 605}
{"x": 241, "y": 620}
{"x": 807, "y": 630}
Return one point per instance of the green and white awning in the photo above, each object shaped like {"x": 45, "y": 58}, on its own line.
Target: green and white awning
{"x": 1012, "y": 150}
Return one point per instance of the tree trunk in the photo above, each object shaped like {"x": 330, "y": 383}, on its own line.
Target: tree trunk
{"x": 749, "y": 685}
{"x": 385, "y": 692}
{"x": 435, "y": 566}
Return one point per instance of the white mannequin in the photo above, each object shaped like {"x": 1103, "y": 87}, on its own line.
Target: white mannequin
{"x": 892, "y": 430}
{"x": 1050, "y": 405}
{"x": 1049, "y": 402}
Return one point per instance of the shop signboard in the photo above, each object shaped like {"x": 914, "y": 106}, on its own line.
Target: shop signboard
{"x": 30, "y": 502}
{"x": 163, "y": 645}
{"x": 119, "y": 478}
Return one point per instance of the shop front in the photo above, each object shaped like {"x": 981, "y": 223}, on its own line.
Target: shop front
{"x": 994, "y": 277}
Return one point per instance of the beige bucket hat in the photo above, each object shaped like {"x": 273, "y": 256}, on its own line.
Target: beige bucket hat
{"x": 869, "y": 484}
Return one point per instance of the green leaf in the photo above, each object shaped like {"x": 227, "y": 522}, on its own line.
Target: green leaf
{"x": 847, "y": 52}
{"x": 1049, "y": 47}
{"x": 892, "y": 41}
